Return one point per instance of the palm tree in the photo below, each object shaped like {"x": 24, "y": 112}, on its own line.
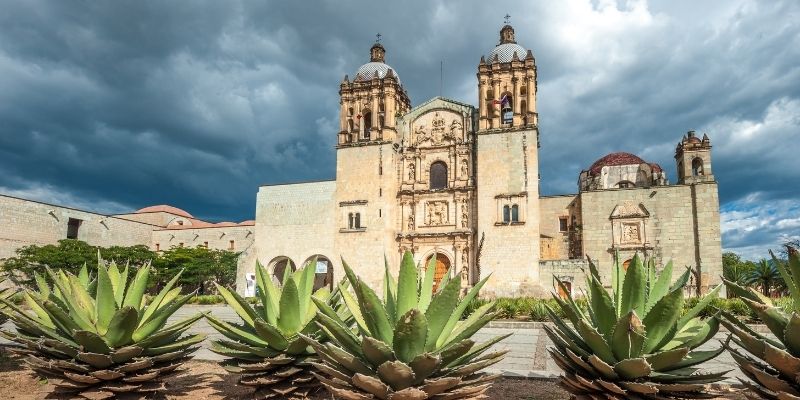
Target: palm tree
{"x": 764, "y": 275}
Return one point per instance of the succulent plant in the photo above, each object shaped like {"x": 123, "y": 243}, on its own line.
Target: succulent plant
{"x": 772, "y": 363}
{"x": 101, "y": 337}
{"x": 410, "y": 345}
{"x": 266, "y": 347}
{"x": 5, "y": 294}
{"x": 633, "y": 342}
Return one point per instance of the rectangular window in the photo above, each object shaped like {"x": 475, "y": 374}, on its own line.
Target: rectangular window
{"x": 380, "y": 192}
{"x": 379, "y": 213}
{"x": 72, "y": 228}
{"x": 563, "y": 226}
{"x": 231, "y": 245}
{"x": 180, "y": 244}
{"x": 205, "y": 244}
{"x": 158, "y": 247}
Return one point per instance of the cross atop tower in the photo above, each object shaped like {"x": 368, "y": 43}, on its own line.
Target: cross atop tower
{"x": 506, "y": 19}
{"x": 378, "y": 38}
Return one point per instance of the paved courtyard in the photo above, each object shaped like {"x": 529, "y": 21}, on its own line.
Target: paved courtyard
{"x": 528, "y": 356}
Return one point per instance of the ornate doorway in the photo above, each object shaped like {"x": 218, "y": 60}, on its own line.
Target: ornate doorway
{"x": 442, "y": 266}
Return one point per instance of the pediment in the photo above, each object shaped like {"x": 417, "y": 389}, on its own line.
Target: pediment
{"x": 630, "y": 209}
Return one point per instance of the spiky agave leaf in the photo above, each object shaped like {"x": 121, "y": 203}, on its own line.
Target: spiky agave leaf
{"x": 411, "y": 344}
{"x": 266, "y": 348}
{"x": 634, "y": 343}
{"x": 772, "y": 364}
{"x": 99, "y": 337}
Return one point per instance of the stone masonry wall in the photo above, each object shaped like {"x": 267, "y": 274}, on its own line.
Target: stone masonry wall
{"x": 551, "y": 209}
{"x": 26, "y": 222}
{"x": 675, "y": 230}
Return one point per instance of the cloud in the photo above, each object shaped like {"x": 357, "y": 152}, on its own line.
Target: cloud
{"x": 139, "y": 103}
{"x": 754, "y": 225}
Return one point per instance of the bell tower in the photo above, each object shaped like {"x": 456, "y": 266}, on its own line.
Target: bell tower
{"x": 370, "y": 102}
{"x": 507, "y": 84}
{"x": 507, "y": 166}
{"x": 693, "y": 158}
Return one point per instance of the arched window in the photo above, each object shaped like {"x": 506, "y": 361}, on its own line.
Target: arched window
{"x": 438, "y": 175}
{"x": 507, "y": 108}
{"x": 506, "y": 214}
{"x": 350, "y": 111}
{"x": 380, "y": 122}
{"x": 515, "y": 213}
{"x": 381, "y": 107}
{"x": 523, "y": 90}
{"x": 697, "y": 167}
{"x": 349, "y": 125}
{"x": 367, "y": 124}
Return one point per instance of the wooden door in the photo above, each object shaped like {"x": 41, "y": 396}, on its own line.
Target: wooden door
{"x": 442, "y": 266}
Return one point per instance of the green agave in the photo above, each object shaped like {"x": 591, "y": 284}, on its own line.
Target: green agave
{"x": 266, "y": 348}
{"x": 772, "y": 363}
{"x": 5, "y": 294}
{"x": 101, "y": 337}
{"x": 634, "y": 342}
{"x": 410, "y": 345}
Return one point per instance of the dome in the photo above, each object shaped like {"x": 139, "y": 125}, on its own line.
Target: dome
{"x": 614, "y": 159}
{"x": 166, "y": 209}
{"x": 367, "y": 71}
{"x": 505, "y": 52}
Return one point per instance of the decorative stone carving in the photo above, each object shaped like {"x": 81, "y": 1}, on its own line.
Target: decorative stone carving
{"x": 631, "y": 233}
{"x": 411, "y": 222}
{"x": 464, "y": 168}
{"x": 438, "y": 130}
{"x": 437, "y": 213}
{"x": 456, "y": 129}
{"x": 421, "y": 135}
{"x": 411, "y": 172}
{"x": 464, "y": 215}
{"x": 465, "y": 264}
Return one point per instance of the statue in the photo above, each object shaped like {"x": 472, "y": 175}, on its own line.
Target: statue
{"x": 464, "y": 215}
{"x": 411, "y": 172}
{"x": 411, "y": 222}
{"x": 421, "y": 135}
{"x": 456, "y": 129}
{"x": 465, "y": 265}
{"x": 464, "y": 168}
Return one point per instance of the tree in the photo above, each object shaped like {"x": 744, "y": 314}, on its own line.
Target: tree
{"x": 201, "y": 267}
{"x": 765, "y": 275}
{"x": 69, "y": 255}
{"x": 734, "y": 269}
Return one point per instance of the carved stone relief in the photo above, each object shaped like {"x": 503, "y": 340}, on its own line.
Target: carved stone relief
{"x": 411, "y": 172}
{"x": 437, "y": 213}
{"x": 464, "y": 215}
{"x": 464, "y": 168}
{"x": 631, "y": 233}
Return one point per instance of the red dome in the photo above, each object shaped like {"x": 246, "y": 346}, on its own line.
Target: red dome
{"x": 167, "y": 209}
{"x": 613, "y": 159}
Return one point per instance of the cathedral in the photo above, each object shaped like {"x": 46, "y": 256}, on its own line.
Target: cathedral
{"x": 458, "y": 186}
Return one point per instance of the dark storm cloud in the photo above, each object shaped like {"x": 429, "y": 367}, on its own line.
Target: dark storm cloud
{"x": 120, "y": 105}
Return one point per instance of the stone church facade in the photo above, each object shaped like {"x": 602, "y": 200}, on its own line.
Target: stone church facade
{"x": 460, "y": 185}
{"x": 451, "y": 182}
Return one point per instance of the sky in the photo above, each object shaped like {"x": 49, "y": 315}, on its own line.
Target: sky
{"x": 114, "y": 106}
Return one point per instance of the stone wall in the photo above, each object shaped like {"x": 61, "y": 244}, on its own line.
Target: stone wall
{"x": 678, "y": 223}
{"x": 508, "y": 173}
{"x": 295, "y": 221}
{"x": 26, "y": 222}
{"x": 552, "y": 209}
{"x": 571, "y": 271}
{"x": 233, "y": 238}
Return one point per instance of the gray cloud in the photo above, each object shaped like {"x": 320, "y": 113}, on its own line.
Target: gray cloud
{"x": 128, "y": 104}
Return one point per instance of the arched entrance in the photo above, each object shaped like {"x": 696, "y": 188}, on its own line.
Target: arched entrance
{"x": 278, "y": 266}
{"x": 324, "y": 272}
{"x": 442, "y": 266}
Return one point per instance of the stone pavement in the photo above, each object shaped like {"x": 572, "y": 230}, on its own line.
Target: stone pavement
{"x": 528, "y": 356}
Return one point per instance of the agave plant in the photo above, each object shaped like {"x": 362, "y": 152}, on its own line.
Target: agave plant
{"x": 773, "y": 363}
{"x": 5, "y": 294}
{"x": 266, "y": 348}
{"x": 100, "y": 337}
{"x": 634, "y": 342}
{"x": 410, "y": 345}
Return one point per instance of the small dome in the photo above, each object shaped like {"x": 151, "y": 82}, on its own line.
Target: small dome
{"x": 694, "y": 139}
{"x": 614, "y": 159}
{"x": 505, "y": 52}
{"x": 166, "y": 209}
{"x": 367, "y": 71}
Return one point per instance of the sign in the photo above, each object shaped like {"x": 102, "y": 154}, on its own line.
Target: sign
{"x": 322, "y": 267}
{"x": 508, "y": 117}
